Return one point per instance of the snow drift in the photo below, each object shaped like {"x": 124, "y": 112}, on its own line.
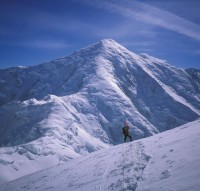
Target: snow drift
{"x": 75, "y": 105}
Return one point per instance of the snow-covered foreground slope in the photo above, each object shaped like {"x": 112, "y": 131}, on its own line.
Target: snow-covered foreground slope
{"x": 169, "y": 161}
{"x": 69, "y": 107}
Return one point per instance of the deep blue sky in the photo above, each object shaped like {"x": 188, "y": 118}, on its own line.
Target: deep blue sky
{"x": 36, "y": 31}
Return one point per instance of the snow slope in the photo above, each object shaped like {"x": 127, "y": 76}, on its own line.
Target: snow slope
{"x": 69, "y": 107}
{"x": 168, "y": 161}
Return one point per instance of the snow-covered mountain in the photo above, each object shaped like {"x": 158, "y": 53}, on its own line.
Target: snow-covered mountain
{"x": 164, "y": 162}
{"x": 71, "y": 106}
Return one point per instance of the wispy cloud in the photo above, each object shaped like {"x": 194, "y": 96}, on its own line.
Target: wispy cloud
{"x": 45, "y": 44}
{"x": 197, "y": 52}
{"x": 140, "y": 43}
{"x": 142, "y": 12}
{"x": 39, "y": 44}
{"x": 46, "y": 21}
{"x": 146, "y": 50}
{"x": 40, "y": 21}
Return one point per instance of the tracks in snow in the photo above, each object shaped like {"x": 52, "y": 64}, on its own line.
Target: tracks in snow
{"x": 125, "y": 169}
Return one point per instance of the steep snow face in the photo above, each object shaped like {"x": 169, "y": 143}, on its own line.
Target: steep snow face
{"x": 167, "y": 161}
{"x": 195, "y": 75}
{"x": 77, "y": 104}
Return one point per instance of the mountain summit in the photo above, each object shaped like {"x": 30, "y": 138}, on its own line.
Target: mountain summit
{"x": 77, "y": 104}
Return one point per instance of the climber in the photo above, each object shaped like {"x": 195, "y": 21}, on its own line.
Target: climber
{"x": 125, "y": 131}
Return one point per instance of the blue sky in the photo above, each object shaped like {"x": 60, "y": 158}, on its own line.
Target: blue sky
{"x": 33, "y": 32}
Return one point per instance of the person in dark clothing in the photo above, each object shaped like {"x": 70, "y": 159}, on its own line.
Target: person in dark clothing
{"x": 125, "y": 130}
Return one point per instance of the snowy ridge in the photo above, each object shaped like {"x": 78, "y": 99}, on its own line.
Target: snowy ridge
{"x": 75, "y": 105}
{"x": 167, "y": 161}
{"x": 170, "y": 91}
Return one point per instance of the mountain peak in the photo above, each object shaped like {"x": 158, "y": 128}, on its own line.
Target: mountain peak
{"x": 110, "y": 43}
{"x": 77, "y": 104}
{"x": 102, "y": 47}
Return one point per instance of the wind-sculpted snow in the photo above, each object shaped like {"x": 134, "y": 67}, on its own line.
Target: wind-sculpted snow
{"x": 167, "y": 161}
{"x": 195, "y": 76}
{"x": 77, "y": 104}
